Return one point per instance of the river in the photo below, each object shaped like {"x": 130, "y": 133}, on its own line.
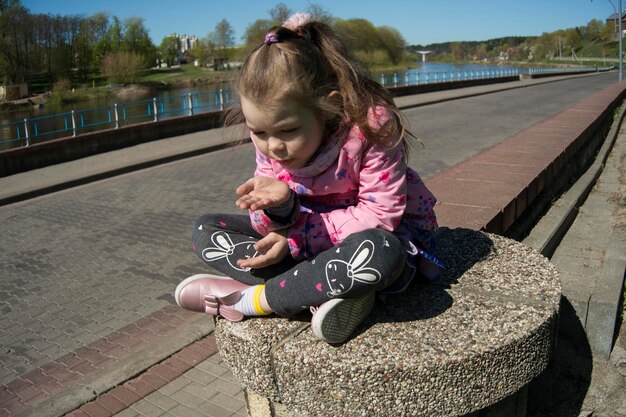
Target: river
{"x": 202, "y": 90}
{"x": 55, "y": 120}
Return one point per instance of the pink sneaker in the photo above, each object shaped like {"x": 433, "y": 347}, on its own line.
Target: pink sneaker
{"x": 211, "y": 294}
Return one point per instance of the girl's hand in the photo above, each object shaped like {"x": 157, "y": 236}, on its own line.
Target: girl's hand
{"x": 273, "y": 248}
{"x": 259, "y": 193}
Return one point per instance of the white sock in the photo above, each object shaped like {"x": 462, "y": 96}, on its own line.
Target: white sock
{"x": 250, "y": 302}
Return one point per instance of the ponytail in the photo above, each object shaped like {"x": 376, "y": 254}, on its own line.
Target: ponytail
{"x": 308, "y": 62}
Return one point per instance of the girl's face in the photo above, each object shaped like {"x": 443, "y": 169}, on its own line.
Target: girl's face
{"x": 287, "y": 132}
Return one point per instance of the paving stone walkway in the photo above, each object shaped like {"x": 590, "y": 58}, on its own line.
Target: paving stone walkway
{"x": 76, "y": 302}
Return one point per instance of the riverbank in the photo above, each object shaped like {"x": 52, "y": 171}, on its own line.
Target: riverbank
{"x": 188, "y": 78}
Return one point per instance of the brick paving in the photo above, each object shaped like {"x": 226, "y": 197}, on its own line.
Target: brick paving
{"x": 192, "y": 382}
{"x": 55, "y": 376}
{"x": 88, "y": 275}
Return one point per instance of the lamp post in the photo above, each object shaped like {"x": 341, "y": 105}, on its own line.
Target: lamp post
{"x": 619, "y": 34}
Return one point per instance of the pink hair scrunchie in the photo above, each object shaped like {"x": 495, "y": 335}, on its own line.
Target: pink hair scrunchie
{"x": 271, "y": 38}
{"x": 296, "y": 20}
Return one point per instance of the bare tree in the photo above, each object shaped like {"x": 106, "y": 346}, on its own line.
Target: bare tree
{"x": 280, "y": 13}
{"x": 319, "y": 14}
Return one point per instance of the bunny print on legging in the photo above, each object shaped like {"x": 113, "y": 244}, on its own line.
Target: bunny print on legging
{"x": 341, "y": 275}
{"x": 225, "y": 248}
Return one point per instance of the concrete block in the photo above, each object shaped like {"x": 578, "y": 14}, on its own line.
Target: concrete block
{"x": 604, "y": 302}
{"x": 467, "y": 346}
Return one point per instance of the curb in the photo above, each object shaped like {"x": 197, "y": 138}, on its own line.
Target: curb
{"x": 604, "y": 304}
{"x": 122, "y": 371}
{"x": 602, "y": 307}
{"x": 546, "y": 239}
{"x": 28, "y": 194}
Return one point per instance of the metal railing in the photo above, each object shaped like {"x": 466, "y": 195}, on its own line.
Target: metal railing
{"x": 417, "y": 77}
{"x": 28, "y": 131}
{"x": 534, "y": 71}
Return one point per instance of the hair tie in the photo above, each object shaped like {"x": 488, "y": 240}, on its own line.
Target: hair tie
{"x": 271, "y": 38}
{"x": 296, "y": 20}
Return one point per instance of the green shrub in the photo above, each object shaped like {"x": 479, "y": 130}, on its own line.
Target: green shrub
{"x": 122, "y": 67}
{"x": 62, "y": 92}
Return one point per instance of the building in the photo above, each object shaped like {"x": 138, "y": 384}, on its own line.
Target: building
{"x": 612, "y": 22}
{"x": 13, "y": 92}
{"x": 185, "y": 44}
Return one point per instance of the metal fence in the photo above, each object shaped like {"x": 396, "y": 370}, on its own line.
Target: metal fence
{"x": 37, "y": 129}
{"x": 533, "y": 71}
{"x": 417, "y": 77}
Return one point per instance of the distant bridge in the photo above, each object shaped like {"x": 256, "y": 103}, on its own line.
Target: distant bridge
{"x": 424, "y": 53}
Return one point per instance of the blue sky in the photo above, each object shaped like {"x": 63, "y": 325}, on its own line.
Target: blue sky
{"x": 420, "y": 22}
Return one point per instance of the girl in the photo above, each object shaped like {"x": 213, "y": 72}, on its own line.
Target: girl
{"x": 335, "y": 214}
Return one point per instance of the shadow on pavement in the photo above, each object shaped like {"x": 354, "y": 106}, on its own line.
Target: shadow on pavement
{"x": 561, "y": 389}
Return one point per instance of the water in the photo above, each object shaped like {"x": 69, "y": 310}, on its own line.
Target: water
{"x": 52, "y": 121}
{"x": 50, "y": 108}
{"x": 94, "y": 103}
{"x": 60, "y": 120}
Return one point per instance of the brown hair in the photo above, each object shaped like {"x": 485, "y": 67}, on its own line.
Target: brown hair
{"x": 307, "y": 65}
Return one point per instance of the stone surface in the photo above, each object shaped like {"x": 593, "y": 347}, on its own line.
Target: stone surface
{"x": 438, "y": 350}
{"x": 246, "y": 347}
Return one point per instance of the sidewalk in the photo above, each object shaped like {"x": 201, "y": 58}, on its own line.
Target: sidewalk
{"x": 209, "y": 389}
{"x": 166, "y": 362}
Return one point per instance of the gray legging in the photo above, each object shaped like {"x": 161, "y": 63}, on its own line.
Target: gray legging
{"x": 366, "y": 261}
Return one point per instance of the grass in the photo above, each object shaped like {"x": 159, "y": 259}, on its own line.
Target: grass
{"x": 592, "y": 48}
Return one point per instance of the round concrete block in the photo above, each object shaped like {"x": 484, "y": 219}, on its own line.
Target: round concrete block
{"x": 443, "y": 349}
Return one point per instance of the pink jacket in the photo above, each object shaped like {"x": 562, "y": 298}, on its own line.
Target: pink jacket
{"x": 351, "y": 186}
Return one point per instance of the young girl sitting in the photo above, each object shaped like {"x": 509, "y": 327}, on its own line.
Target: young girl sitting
{"x": 335, "y": 214}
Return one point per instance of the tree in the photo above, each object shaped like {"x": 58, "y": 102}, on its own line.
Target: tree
{"x": 481, "y": 52}
{"x": 392, "y": 42}
{"x": 459, "y": 51}
{"x": 122, "y": 67}
{"x": 136, "y": 39}
{"x": 109, "y": 41}
{"x": 279, "y": 13}
{"x": 12, "y": 59}
{"x": 255, "y": 33}
{"x": 169, "y": 50}
{"x": 595, "y": 28}
{"x": 358, "y": 34}
{"x": 573, "y": 40}
{"x": 83, "y": 55}
{"x": 223, "y": 36}
{"x": 202, "y": 51}
{"x": 318, "y": 13}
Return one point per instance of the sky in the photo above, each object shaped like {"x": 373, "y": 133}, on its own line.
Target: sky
{"x": 420, "y": 22}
